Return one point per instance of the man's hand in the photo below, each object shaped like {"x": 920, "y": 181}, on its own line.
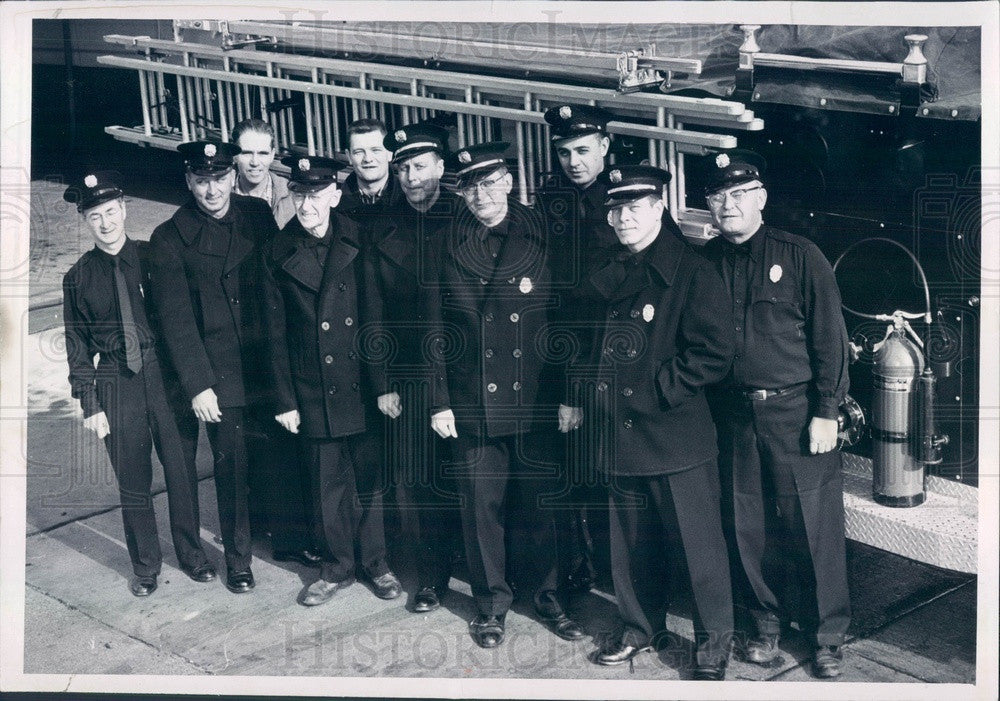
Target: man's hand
{"x": 390, "y": 405}
{"x": 98, "y": 423}
{"x": 443, "y": 424}
{"x": 570, "y": 418}
{"x": 206, "y": 406}
{"x": 289, "y": 420}
{"x": 822, "y": 435}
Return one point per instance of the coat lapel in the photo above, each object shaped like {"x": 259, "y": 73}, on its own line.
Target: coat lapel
{"x": 398, "y": 249}
{"x": 239, "y": 246}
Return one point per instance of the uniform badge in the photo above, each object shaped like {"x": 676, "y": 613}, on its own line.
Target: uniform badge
{"x": 141, "y": 291}
{"x": 304, "y": 164}
{"x": 647, "y": 313}
{"x": 525, "y": 285}
{"x": 775, "y": 273}
{"x": 615, "y": 176}
{"x": 722, "y": 160}
{"x": 210, "y": 151}
{"x": 90, "y": 181}
{"x": 464, "y": 157}
{"x": 400, "y": 135}
{"x": 565, "y": 112}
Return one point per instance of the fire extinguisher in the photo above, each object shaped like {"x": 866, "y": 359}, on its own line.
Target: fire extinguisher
{"x": 903, "y": 430}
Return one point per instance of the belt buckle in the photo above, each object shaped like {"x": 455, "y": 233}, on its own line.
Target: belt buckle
{"x": 758, "y": 395}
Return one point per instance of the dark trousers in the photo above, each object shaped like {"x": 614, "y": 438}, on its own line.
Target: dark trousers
{"x": 278, "y": 482}
{"x": 505, "y": 490}
{"x": 346, "y": 485}
{"x": 140, "y": 418}
{"x": 229, "y": 457}
{"x": 781, "y": 502}
{"x": 654, "y": 519}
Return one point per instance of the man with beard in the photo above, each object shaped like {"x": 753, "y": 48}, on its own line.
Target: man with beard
{"x": 400, "y": 263}
{"x": 314, "y": 288}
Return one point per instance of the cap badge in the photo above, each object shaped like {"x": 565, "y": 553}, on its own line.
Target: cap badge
{"x": 647, "y": 313}
{"x": 304, "y": 164}
{"x": 90, "y": 181}
{"x": 525, "y": 285}
{"x": 400, "y": 135}
{"x": 722, "y": 160}
{"x": 615, "y": 176}
{"x": 464, "y": 157}
{"x": 775, "y": 273}
{"x": 565, "y": 112}
{"x": 210, "y": 150}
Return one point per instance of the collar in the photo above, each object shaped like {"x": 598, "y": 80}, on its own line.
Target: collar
{"x": 189, "y": 219}
{"x": 754, "y": 246}
{"x": 128, "y": 254}
{"x": 500, "y": 230}
{"x": 665, "y": 253}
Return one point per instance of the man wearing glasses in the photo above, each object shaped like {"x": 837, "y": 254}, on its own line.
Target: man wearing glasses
{"x": 777, "y": 416}
{"x": 489, "y": 384}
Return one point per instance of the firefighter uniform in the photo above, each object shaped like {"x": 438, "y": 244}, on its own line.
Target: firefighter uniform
{"x": 664, "y": 339}
{"x": 401, "y": 266}
{"x": 313, "y": 291}
{"x": 790, "y": 365}
{"x": 490, "y": 310}
{"x": 212, "y": 331}
{"x": 132, "y": 394}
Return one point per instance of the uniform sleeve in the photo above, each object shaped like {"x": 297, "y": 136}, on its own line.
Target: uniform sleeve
{"x": 78, "y": 353}
{"x": 826, "y": 334}
{"x": 282, "y": 391}
{"x": 706, "y": 345}
{"x": 373, "y": 315}
{"x": 169, "y": 290}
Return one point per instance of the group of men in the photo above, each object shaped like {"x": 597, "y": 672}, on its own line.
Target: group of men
{"x": 388, "y": 335}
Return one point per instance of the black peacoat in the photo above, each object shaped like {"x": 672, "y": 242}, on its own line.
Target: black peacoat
{"x": 665, "y": 338}
{"x": 204, "y": 280}
{"x": 312, "y": 319}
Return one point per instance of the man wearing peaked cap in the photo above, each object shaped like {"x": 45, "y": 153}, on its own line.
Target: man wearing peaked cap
{"x": 786, "y": 384}
{"x": 491, "y": 382}
{"x": 205, "y": 275}
{"x": 400, "y": 261}
{"x": 314, "y": 298}
{"x": 662, "y": 341}
{"x": 124, "y": 400}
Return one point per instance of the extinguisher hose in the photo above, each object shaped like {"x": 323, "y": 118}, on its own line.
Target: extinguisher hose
{"x": 923, "y": 278}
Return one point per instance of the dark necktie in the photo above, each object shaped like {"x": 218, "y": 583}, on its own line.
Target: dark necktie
{"x": 133, "y": 354}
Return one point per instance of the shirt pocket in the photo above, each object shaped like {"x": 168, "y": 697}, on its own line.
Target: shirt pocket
{"x": 778, "y": 313}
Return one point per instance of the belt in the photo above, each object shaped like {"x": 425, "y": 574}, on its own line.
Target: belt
{"x": 761, "y": 395}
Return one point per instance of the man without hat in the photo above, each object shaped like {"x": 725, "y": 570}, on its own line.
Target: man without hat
{"x": 490, "y": 380}
{"x": 277, "y": 484}
{"x": 368, "y": 190}
{"x": 401, "y": 265}
{"x": 314, "y": 291}
{"x": 124, "y": 399}
{"x": 204, "y": 277}
{"x": 663, "y": 340}
{"x": 777, "y": 415}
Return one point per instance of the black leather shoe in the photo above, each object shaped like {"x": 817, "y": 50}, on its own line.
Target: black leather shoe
{"x": 826, "y": 662}
{"x": 201, "y": 573}
{"x": 427, "y": 599}
{"x": 710, "y": 672}
{"x": 304, "y": 557}
{"x": 620, "y": 654}
{"x": 762, "y": 649}
{"x": 240, "y": 582}
{"x": 387, "y": 586}
{"x": 321, "y": 591}
{"x": 559, "y": 623}
{"x": 141, "y": 585}
{"x": 487, "y": 631}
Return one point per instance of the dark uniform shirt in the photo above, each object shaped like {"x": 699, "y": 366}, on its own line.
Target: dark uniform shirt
{"x": 93, "y": 322}
{"x": 786, "y": 316}
{"x": 366, "y": 209}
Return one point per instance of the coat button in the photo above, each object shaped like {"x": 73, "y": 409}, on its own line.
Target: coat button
{"x": 517, "y": 386}
{"x": 627, "y": 423}
{"x": 631, "y": 353}
{"x": 489, "y": 316}
{"x": 634, "y": 313}
{"x": 627, "y": 392}
{"x": 515, "y": 317}
{"x": 488, "y": 352}
{"x": 602, "y": 386}
{"x": 613, "y": 313}
{"x": 608, "y": 350}
{"x": 328, "y": 359}
{"x": 325, "y": 326}
{"x": 234, "y": 300}
{"x": 491, "y": 387}
{"x": 333, "y": 389}
{"x": 355, "y": 386}
{"x": 348, "y": 321}
{"x": 352, "y": 355}
{"x": 482, "y": 281}
{"x": 516, "y": 352}
{"x": 342, "y": 286}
